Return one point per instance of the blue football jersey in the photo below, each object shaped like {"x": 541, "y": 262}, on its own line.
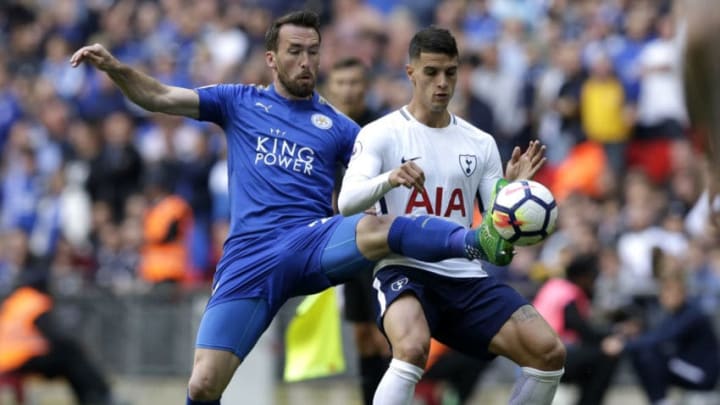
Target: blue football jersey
{"x": 282, "y": 155}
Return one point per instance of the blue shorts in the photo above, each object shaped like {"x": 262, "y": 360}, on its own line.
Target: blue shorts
{"x": 463, "y": 313}
{"x": 255, "y": 279}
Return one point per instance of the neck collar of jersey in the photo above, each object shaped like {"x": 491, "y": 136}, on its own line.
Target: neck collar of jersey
{"x": 408, "y": 116}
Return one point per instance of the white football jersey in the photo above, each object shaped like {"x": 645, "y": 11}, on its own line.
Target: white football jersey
{"x": 460, "y": 162}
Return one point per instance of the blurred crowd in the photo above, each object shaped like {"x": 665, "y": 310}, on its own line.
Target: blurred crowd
{"x": 94, "y": 188}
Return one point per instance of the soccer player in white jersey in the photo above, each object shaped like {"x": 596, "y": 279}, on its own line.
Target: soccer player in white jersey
{"x": 285, "y": 143}
{"x": 423, "y": 160}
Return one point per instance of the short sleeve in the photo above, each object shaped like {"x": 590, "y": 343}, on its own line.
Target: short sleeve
{"x": 347, "y": 141}
{"x": 217, "y": 102}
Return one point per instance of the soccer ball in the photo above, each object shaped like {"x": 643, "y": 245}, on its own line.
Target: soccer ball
{"x": 524, "y": 212}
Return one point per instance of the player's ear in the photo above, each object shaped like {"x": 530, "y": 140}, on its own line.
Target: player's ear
{"x": 270, "y": 59}
{"x": 409, "y": 69}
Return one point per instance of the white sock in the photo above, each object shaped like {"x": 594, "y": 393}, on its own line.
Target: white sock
{"x": 535, "y": 387}
{"x": 397, "y": 386}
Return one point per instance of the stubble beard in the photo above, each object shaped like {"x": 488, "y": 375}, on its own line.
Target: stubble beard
{"x": 296, "y": 89}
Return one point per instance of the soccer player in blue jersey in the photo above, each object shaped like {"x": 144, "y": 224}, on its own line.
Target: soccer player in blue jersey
{"x": 284, "y": 145}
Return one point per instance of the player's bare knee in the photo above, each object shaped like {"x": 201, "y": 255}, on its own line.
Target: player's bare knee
{"x": 414, "y": 351}
{"x": 552, "y": 356}
{"x": 371, "y": 224}
{"x": 371, "y": 236}
{"x": 204, "y": 388}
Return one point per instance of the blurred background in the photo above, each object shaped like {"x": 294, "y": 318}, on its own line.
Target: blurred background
{"x": 82, "y": 169}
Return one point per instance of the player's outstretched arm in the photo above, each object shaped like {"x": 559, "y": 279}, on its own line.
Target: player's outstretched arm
{"x": 523, "y": 166}
{"x": 142, "y": 89}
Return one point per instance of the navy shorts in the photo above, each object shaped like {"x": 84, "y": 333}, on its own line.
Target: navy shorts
{"x": 463, "y": 313}
{"x": 261, "y": 277}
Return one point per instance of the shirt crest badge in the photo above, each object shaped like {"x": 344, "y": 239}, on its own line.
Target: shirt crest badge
{"x": 321, "y": 121}
{"x": 468, "y": 164}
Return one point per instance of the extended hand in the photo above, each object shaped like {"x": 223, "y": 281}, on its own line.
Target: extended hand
{"x": 95, "y": 54}
{"x": 525, "y": 165}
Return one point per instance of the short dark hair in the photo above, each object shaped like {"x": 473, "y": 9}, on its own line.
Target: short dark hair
{"x": 433, "y": 40}
{"x": 301, "y": 18}
{"x": 348, "y": 62}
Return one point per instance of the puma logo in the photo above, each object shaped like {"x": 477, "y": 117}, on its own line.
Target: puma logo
{"x": 264, "y": 107}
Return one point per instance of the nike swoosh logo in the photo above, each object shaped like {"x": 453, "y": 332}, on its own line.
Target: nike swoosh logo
{"x": 403, "y": 160}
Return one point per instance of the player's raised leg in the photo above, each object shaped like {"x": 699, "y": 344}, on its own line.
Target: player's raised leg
{"x": 430, "y": 239}
{"x": 360, "y": 240}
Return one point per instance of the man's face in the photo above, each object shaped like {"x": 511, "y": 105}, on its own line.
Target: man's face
{"x": 296, "y": 60}
{"x": 346, "y": 87}
{"x": 672, "y": 295}
{"x": 433, "y": 76}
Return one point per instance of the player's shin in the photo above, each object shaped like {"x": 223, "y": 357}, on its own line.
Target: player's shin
{"x": 433, "y": 239}
{"x": 426, "y": 238}
{"x": 535, "y": 387}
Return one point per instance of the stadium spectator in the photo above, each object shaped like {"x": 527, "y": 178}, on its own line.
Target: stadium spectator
{"x": 566, "y": 303}
{"x": 165, "y": 257}
{"x": 682, "y": 349}
{"x": 661, "y": 109}
{"x": 31, "y": 342}
{"x": 604, "y": 113}
{"x": 116, "y": 172}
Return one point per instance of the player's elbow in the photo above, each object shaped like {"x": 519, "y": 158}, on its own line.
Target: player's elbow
{"x": 159, "y": 103}
{"x": 345, "y": 207}
{"x": 173, "y": 100}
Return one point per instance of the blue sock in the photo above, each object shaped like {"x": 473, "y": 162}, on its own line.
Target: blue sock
{"x": 430, "y": 239}
{"x": 195, "y": 402}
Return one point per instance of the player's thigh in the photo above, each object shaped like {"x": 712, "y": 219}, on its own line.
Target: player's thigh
{"x": 234, "y": 326}
{"x": 403, "y": 316}
{"x": 528, "y": 340}
{"x": 474, "y": 311}
{"x": 407, "y": 329}
{"x": 341, "y": 258}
